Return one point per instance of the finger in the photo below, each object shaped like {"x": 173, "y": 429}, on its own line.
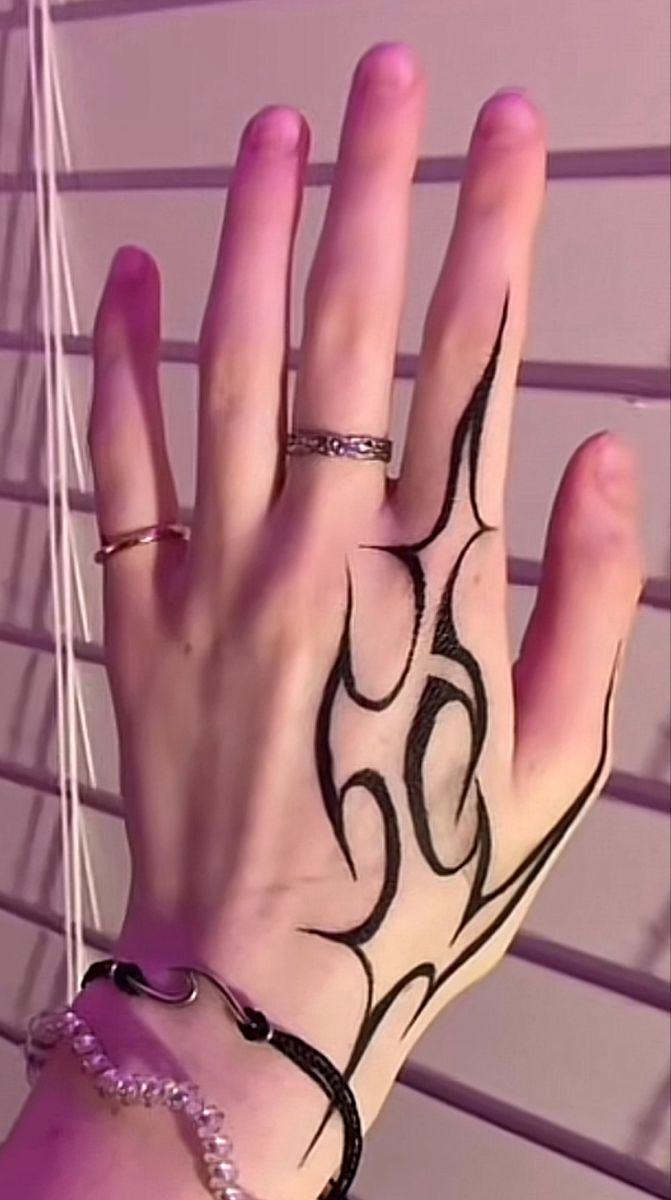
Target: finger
{"x": 591, "y": 582}
{"x": 355, "y": 288}
{"x": 244, "y": 340}
{"x": 134, "y": 486}
{"x": 488, "y": 259}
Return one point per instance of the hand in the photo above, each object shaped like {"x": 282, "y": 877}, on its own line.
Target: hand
{"x": 338, "y": 793}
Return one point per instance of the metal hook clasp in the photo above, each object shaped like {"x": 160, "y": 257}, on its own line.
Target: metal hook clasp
{"x": 240, "y": 1013}
{"x": 144, "y": 988}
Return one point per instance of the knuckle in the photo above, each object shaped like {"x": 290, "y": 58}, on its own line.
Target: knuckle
{"x": 107, "y": 451}
{"x": 225, "y": 387}
{"x": 234, "y": 366}
{"x": 293, "y": 608}
{"x": 279, "y": 638}
{"x": 465, "y": 343}
{"x": 601, "y": 541}
{"x": 597, "y": 551}
{"x": 344, "y": 328}
{"x": 612, "y": 554}
{"x": 223, "y": 362}
{"x": 612, "y": 545}
{"x": 281, "y": 631}
{"x": 301, "y": 571}
{"x": 193, "y": 627}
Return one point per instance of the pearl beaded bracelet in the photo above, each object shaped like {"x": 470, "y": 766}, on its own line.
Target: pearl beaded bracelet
{"x": 48, "y": 1029}
{"x": 254, "y": 1026}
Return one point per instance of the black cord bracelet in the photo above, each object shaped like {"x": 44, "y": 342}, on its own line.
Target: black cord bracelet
{"x": 255, "y": 1027}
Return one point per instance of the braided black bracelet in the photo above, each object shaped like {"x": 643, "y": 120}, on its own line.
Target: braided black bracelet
{"x": 255, "y": 1027}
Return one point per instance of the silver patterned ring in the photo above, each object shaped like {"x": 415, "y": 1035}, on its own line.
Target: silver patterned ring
{"x": 362, "y": 446}
{"x": 139, "y": 537}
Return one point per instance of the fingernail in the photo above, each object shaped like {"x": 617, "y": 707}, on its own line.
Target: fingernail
{"x": 616, "y": 471}
{"x": 129, "y": 265}
{"x": 391, "y": 67}
{"x": 278, "y": 128}
{"x": 508, "y": 116}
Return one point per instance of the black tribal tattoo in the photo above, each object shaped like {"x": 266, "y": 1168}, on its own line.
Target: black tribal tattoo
{"x": 437, "y": 694}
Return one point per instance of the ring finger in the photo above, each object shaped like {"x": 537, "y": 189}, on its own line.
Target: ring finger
{"x": 355, "y": 288}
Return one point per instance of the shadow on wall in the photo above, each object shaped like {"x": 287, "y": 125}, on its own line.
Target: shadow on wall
{"x": 652, "y": 1124}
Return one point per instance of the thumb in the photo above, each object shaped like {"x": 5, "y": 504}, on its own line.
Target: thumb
{"x": 579, "y": 628}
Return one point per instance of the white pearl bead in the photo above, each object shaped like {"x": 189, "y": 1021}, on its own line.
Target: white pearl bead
{"x": 219, "y": 1144}
{"x": 73, "y": 1024}
{"x": 194, "y": 1107}
{"x": 48, "y": 1028}
{"x": 129, "y": 1092}
{"x": 108, "y": 1082}
{"x": 84, "y": 1043}
{"x": 168, "y": 1087}
{"x": 152, "y": 1091}
{"x": 223, "y": 1172}
{"x": 141, "y": 1082}
{"x": 180, "y": 1097}
{"x": 95, "y": 1064}
{"x": 209, "y": 1121}
{"x": 42, "y": 1031}
{"x": 47, "y": 1037}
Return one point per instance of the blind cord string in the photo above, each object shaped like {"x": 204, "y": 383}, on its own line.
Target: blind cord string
{"x": 48, "y": 117}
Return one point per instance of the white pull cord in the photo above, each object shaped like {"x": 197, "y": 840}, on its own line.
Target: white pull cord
{"x": 47, "y": 108}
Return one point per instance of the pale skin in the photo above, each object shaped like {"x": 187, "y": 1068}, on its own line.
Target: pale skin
{"x": 347, "y": 867}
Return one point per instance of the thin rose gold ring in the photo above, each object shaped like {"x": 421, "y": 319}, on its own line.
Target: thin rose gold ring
{"x": 139, "y": 537}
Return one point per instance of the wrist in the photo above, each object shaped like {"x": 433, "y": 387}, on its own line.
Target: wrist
{"x": 270, "y": 1105}
{"x": 306, "y": 987}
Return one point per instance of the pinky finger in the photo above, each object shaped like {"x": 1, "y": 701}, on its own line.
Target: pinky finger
{"x": 133, "y": 481}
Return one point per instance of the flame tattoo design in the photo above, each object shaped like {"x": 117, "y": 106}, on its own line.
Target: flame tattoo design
{"x": 498, "y": 901}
